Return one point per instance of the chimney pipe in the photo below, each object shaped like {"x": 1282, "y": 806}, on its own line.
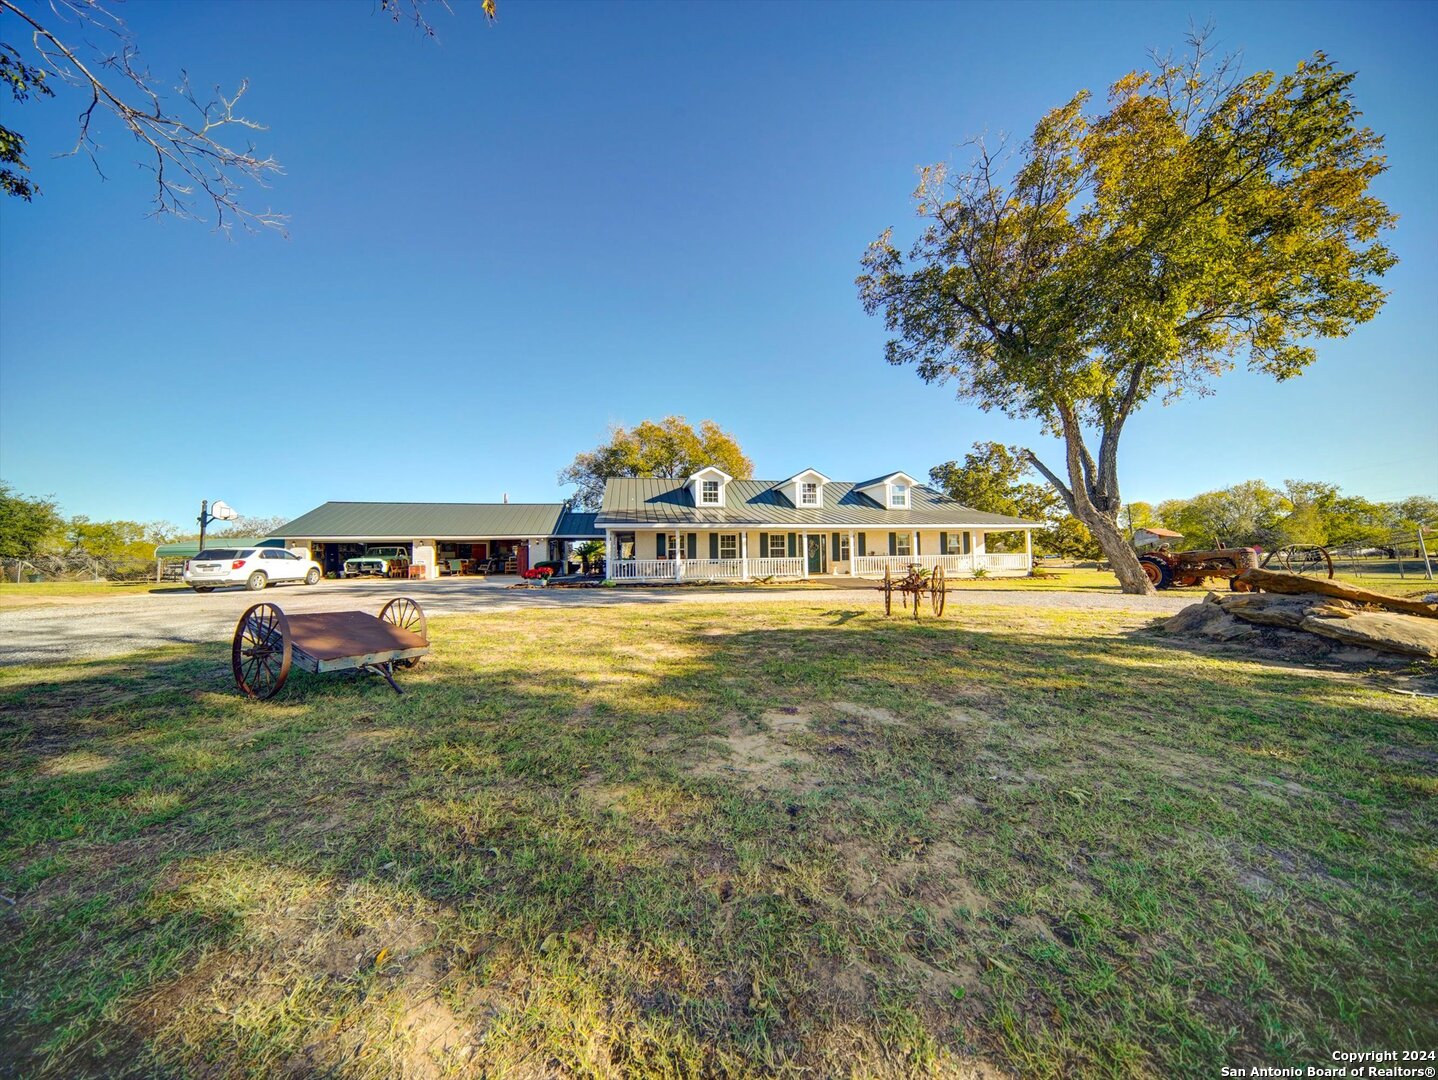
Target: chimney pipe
{"x": 506, "y": 496}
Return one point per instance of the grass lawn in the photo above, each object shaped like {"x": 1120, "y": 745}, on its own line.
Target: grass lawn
{"x": 27, "y": 593}
{"x": 690, "y": 841}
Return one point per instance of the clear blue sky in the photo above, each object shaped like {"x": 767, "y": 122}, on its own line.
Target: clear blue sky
{"x": 504, "y": 241}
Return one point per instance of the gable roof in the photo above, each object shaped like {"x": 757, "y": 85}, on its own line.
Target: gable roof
{"x": 645, "y": 501}
{"x": 434, "y": 521}
{"x": 807, "y": 472}
{"x": 884, "y": 480}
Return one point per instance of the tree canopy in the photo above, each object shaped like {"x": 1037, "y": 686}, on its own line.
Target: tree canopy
{"x": 1138, "y": 251}
{"x": 28, "y": 525}
{"x": 997, "y": 479}
{"x": 669, "y": 448}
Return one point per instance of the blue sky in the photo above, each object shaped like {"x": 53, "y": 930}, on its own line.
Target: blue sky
{"x": 507, "y": 240}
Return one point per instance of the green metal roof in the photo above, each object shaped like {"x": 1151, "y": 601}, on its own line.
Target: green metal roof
{"x": 573, "y": 523}
{"x": 188, "y": 549}
{"x": 760, "y": 502}
{"x": 428, "y": 521}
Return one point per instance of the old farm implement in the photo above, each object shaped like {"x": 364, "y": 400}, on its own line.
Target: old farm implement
{"x": 268, "y": 642}
{"x": 913, "y": 586}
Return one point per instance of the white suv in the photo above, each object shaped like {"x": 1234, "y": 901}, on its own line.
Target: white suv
{"x": 254, "y": 568}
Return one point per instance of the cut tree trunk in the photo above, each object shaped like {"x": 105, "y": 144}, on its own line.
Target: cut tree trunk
{"x": 1270, "y": 581}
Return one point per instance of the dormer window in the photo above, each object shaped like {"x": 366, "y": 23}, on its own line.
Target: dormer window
{"x": 899, "y": 496}
{"x": 809, "y": 494}
{"x": 706, "y": 487}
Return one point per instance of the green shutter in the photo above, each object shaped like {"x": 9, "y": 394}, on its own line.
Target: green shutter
{"x": 968, "y": 543}
{"x": 834, "y": 540}
{"x": 893, "y": 543}
{"x": 693, "y": 546}
{"x": 862, "y": 538}
{"x": 714, "y": 545}
{"x": 916, "y": 542}
{"x": 793, "y": 545}
{"x": 661, "y": 545}
{"x": 943, "y": 543}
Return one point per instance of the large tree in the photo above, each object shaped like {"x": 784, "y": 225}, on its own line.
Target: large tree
{"x": 995, "y": 478}
{"x": 1135, "y": 252}
{"x": 669, "y": 448}
{"x": 196, "y": 142}
{"x": 28, "y": 526}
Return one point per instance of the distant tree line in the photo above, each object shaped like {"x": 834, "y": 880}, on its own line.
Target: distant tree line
{"x": 34, "y": 530}
{"x": 1300, "y": 512}
{"x": 999, "y": 479}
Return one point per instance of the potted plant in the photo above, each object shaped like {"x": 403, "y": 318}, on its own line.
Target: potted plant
{"x": 538, "y": 574}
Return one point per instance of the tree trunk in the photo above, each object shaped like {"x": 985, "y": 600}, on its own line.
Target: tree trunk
{"x": 1116, "y": 549}
{"x": 1091, "y": 495}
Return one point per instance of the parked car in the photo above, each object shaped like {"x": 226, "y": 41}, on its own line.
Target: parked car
{"x": 377, "y": 560}
{"x": 254, "y": 568}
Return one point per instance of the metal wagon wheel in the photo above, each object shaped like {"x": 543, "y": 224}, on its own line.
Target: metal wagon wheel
{"x": 938, "y": 591}
{"x": 1310, "y": 560}
{"x": 262, "y": 651}
{"x": 407, "y": 615}
{"x": 888, "y": 591}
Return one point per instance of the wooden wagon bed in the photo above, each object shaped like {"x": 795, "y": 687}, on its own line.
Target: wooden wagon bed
{"x": 267, "y": 643}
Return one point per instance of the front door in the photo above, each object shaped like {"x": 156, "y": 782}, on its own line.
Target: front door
{"x": 816, "y": 554}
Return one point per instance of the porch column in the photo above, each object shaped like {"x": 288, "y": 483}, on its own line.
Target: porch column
{"x": 744, "y": 553}
{"x": 914, "y": 546}
{"x": 853, "y": 553}
{"x": 804, "y": 553}
{"x": 1029, "y": 547}
{"x": 678, "y": 558}
{"x": 609, "y": 553}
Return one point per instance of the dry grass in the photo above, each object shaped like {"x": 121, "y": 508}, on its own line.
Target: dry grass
{"x": 774, "y": 840}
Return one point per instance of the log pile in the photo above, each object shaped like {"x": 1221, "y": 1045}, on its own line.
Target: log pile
{"x": 1290, "y": 604}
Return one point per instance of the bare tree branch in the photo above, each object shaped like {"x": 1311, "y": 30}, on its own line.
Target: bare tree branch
{"x": 191, "y": 154}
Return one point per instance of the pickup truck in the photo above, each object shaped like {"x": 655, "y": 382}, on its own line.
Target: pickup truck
{"x": 377, "y": 561}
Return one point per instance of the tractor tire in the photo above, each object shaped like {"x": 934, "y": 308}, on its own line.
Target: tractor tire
{"x": 1158, "y": 572}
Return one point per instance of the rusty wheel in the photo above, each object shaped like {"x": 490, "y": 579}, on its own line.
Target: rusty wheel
{"x": 261, "y": 651}
{"x": 938, "y": 591}
{"x": 888, "y": 588}
{"x": 407, "y": 615}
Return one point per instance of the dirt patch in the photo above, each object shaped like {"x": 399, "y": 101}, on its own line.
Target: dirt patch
{"x": 869, "y": 713}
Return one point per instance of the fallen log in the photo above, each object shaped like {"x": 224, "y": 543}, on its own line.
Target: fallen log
{"x": 1269, "y": 581}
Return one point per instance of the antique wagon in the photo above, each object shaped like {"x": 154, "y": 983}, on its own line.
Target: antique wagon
{"x": 267, "y": 643}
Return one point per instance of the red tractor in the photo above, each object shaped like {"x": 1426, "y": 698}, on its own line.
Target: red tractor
{"x": 1169, "y": 569}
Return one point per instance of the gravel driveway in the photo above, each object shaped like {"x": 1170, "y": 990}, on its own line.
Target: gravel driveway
{"x": 84, "y": 628}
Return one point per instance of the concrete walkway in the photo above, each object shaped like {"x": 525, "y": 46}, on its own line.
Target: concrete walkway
{"x": 81, "y": 628}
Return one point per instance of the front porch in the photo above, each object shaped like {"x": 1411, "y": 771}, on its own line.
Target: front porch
{"x": 678, "y": 555}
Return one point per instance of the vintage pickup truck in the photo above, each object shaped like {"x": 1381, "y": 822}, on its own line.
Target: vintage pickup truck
{"x": 377, "y": 561}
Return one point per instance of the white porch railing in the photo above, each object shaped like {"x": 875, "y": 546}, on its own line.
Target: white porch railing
{"x": 640, "y": 569}
{"x": 1006, "y": 561}
{"x": 713, "y": 569}
{"x": 873, "y": 565}
{"x": 703, "y": 569}
{"x": 776, "y": 568}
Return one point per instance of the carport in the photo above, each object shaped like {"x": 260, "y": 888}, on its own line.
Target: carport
{"x": 442, "y": 538}
{"x": 183, "y": 550}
